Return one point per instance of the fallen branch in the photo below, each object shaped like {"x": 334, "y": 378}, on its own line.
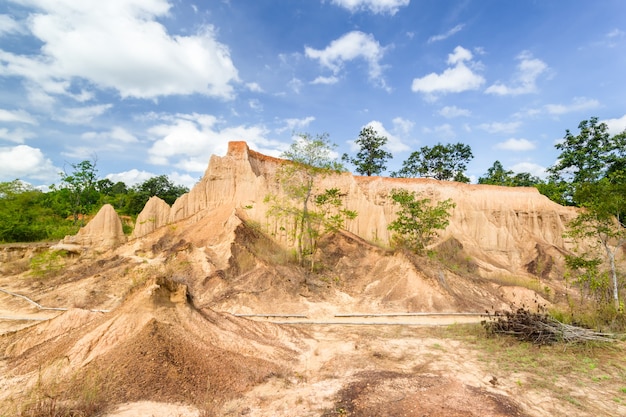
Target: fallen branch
{"x": 40, "y": 307}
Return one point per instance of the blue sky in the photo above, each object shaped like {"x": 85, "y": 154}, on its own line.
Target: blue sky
{"x": 151, "y": 87}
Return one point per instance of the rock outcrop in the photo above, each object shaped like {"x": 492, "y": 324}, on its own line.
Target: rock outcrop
{"x": 504, "y": 229}
{"x": 155, "y": 214}
{"x": 103, "y": 232}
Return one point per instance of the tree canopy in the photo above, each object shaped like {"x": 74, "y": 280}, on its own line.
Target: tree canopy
{"x": 418, "y": 220}
{"x": 497, "y": 175}
{"x": 590, "y": 174}
{"x": 371, "y": 158}
{"x": 441, "y": 162}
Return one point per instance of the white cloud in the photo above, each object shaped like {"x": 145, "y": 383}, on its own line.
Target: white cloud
{"x": 455, "y": 79}
{"x": 446, "y": 35}
{"x": 351, "y": 46}
{"x": 82, "y": 115}
{"x": 18, "y": 116}
{"x": 254, "y": 87}
{"x": 117, "y": 134}
{"x": 131, "y": 177}
{"x": 295, "y": 125}
{"x": 25, "y": 162}
{"x": 187, "y": 141}
{"x": 530, "y": 167}
{"x": 394, "y": 143}
{"x": 444, "y": 131}
{"x": 183, "y": 179}
{"x": 525, "y": 80}
{"x": 516, "y": 145}
{"x": 375, "y": 6}
{"x": 578, "y": 104}
{"x": 451, "y": 112}
{"x": 325, "y": 80}
{"x": 18, "y": 135}
{"x": 120, "y": 45}
{"x": 499, "y": 127}
{"x": 402, "y": 126}
{"x": 8, "y": 25}
{"x": 295, "y": 84}
{"x": 255, "y": 104}
{"x": 616, "y": 126}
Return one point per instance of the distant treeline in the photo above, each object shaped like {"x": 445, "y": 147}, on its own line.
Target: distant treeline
{"x": 29, "y": 215}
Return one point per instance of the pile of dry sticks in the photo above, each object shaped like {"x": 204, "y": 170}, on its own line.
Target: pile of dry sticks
{"x": 539, "y": 328}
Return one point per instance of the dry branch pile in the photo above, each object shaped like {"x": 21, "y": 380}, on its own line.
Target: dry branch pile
{"x": 539, "y": 328}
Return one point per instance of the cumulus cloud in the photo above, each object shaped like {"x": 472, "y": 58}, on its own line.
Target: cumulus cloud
{"x": 295, "y": 125}
{"x": 524, "y": 81}
{"x": 325, "y": 80}
{"x": 83, "y": 115}
{"x": 18, "y": 135}
{"x": 375, "y": 6}
{"x": 132, "y": 177}
{"x": 117, "y": 134}
{"x": 446, "y": 35}
{"x": 500, "y": 127}
{"x": 517, "y": 145}
{"x": 616, "y": 126}
{"x": 530, "y": 167}
{"x": 455, "y": 79}
{"x": 351, "y": 46}
{"x": 402, "y": 126}
{"x": 578, "y": 104}
{"x": 25, "y": 162}
{"x": 450, "y": 112}
{"x": 187, "y": 141}
{"x": 444, "y": 131}
{"x": 394, "y": 142}
{"x": 120, "y": 45}
{"x": 17, "y": 116}
{"x": 8, "y": 25}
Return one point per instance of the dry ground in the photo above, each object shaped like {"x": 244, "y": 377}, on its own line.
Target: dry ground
{"x": 170, "y": 347}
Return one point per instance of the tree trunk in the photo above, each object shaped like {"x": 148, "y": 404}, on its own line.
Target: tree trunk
{"x": 611, "y": 256}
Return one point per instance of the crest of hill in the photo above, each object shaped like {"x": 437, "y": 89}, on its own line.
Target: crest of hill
{"x": 505, "y": 229}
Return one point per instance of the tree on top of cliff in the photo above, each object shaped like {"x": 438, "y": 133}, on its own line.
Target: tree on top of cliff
{"x": 497, "y": 175}
{"x": 371, "y": 158}
{"x": 441, "y": 162}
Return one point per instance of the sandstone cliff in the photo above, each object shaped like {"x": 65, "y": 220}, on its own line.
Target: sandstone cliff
{"x": 504, "y": 229}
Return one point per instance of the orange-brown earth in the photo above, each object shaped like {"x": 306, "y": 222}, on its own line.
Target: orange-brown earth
{"x": 184, "y": 318}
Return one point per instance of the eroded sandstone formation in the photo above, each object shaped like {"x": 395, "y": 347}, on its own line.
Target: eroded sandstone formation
{"x": 505, "y": 229}
{"x": 155, "y": 214}
{"x": 103, "y": 232}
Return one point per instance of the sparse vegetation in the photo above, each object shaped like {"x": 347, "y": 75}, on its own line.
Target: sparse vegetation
{"x": 419, "y": 220}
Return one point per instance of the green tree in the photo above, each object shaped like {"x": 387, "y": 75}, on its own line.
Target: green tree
{"x": 81, "y": 185}
{"x": 497, "y": 175}
{"x": 590, "y": 172}
{"x": 311, "y": 158}
{"x": 441, "y": 162}
{"x": 160, "y": 186}
{"x": 24, "y": 216}
{"x": 371, "y": 158}
{"x": 602, "y": 224}
{"x": 331, "y": 215}
{"x": 418, "y": 221}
